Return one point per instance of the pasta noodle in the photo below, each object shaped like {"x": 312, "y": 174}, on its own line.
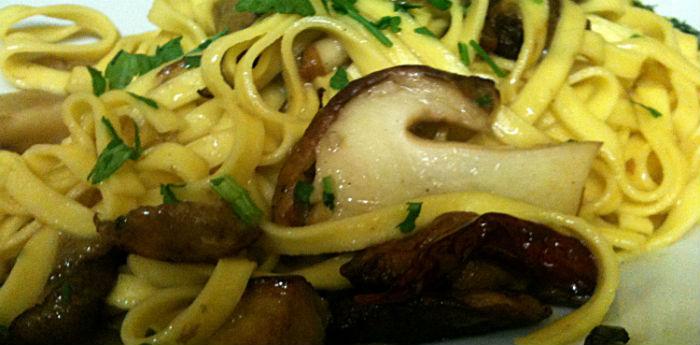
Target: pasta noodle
{"x": 608, "y": 65}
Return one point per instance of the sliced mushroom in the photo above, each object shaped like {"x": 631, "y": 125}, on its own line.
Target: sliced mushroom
{"x": 364, "y": 140}
{"x": 558, "y": 268}
{"x": 276, "y": 311}
{"x": 431, "y": 318}
{"x": 183, "y": 232}
{"x": 73, "y": 306}
{"x": 29, "y": 118}
{"x": 321, "y": 58}
{"x": 227, "y": 18}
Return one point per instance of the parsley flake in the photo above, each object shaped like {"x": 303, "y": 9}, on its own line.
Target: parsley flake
{"x": 126, "y": 66}
{"x": 169, "y": 197}
{"x": 339, "y": 80}
{"x": 484, "y": 101}
{"x": 405, "y": 6}
{"x": 115, "y": 154}
{"x": 409, "y": 223}
{"x": 238, "y": 199}
{"x": 328, "y": 195}
{"x": 464, "y": 53}
{"x": 300, "y": 7}
{"x": 639, "y": 4}
{"x": 302, "y": 192}
{"x": 424, "y": 31}
{"x": 654, "y": 113}
{"x": 443, "y": 5}
{"x": 485, "y": 56}
{"x": 347, "y": 7}
{"x": 149, "y": 102}
{"x": 99, "y": 83}
{"x": 387, "y": 22}
{"x": 193, "y": 59}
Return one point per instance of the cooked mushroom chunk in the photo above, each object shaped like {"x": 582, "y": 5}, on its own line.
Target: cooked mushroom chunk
{"x": 503, "y": 32}
{"x": 30, "y": 117}
{"x": 368, "y": 141}
{"x": 321, "y": 58}
{"x": 182, "y": 232}
{"x": 431, "y": 318}
{"x": 72, "y": 308}
{"x": 558, "y": 268}
{"x": 276, "y": 311}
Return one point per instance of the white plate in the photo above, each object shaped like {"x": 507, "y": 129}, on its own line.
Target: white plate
{"x": 659, "y": 298}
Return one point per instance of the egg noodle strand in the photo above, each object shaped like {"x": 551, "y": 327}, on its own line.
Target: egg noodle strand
{"x": 607, "y": 64}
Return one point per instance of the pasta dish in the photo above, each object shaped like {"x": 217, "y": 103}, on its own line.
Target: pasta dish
{"x": 339, "y": 171}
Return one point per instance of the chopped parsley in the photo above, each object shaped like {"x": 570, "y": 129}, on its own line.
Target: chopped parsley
{"x": 238, "y": 199}
{"x": 347, "y": 7}
{"x": 339, "y": 80}
{"x": 114, "y": 155}
{"x": 539, "y": 2}
{"x": 328, "y": 195}
{"x": 193, "y": 59}
{"x": 66, "y": 292}
{"x": 409, "y": 223}
{"x": 654, "y": 113}
{"x": 300, "y": 7}
{"x": 405, "y": 6}
{"x": 169, "y": 197}
{"x": 149, "y": 102}
{"x": 607, "y": 335}
{"x": 126, "y": 66}
{"x": 464, "y": 53}
{"x": 639, "y": 4}
{"x": 424, "y": 31}
{"x": 391, "y": 23}
{"x": 485, "y": 56}
{"x": 302, "y": 192}
{"x": 443, "y": 5}
{"x": 99, "y": 83}
{"x": 484, "y": 101}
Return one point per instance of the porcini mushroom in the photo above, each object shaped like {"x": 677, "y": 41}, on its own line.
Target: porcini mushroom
{"x": 363, "y": 140}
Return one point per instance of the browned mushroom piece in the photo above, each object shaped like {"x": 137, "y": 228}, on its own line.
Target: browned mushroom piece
{"x": 321, "y": 58}
{"x": 182, "y": 232}
{"x": 72, "y": 308}
{"x": 431, "y": 318}
{"x": 446, "y": 97}
{"x": 276, "y": 311}
{"x": 172, "y": 70}
{"x": 30, "y": 117}
{"x": 503, "y": 32}
{"x": 227, "y": 18}
{"x": 558, "y": 268}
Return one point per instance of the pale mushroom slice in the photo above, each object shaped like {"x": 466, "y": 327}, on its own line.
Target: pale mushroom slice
{"x": 363, "y": 141}
{"x": 30, "y": 117}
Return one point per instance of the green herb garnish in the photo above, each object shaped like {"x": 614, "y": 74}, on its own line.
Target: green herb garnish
{"x": 114, "y": 155}
{"x": 443, "y": 5}
{"x": 424, "y": 31}
{"x": 347, "y": 7}
{"x": 126, "y": 66}
{"x": 339, "y": 80}
{"x": 66, "y": 292}
{"x": 99, "y": 83}
{"x": 639, "y": 4}
{"x": 169, "y": 197}
{"x": 300, "y": 7}
{"x": 302, "y": 192}
{"x": 193, "y": 59}
{"x": 238, "y": 198}
{"x": 328, "y": 193}
{"x": 405, "y": 6}
{"x": 464, "y": 53}
{"x": 149, "y": 102}
{"x": 409, "y": 224}
{"x": 654, "y": 113}
{"x": 484, "y": 101}
{"x": 539, "y": 2}
{"x": 485, "y": 56}
{"x": 392, "y": 23}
